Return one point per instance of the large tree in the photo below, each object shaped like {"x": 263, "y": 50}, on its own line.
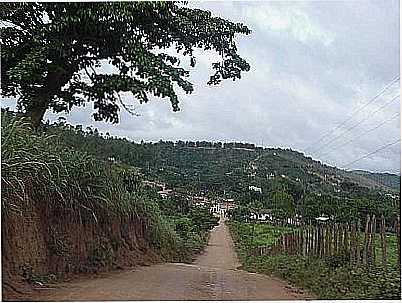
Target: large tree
{"x": 52, "y": 53}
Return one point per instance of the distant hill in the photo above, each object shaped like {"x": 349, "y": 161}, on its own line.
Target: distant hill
{"x": 383, "y": 180}
{"x": 228, "y": 169}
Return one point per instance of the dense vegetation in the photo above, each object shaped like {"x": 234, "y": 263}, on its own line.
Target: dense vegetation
{"x": 40, "y": 168}
{"x": 330, "y": 278}
{"x": 290, "y": 183}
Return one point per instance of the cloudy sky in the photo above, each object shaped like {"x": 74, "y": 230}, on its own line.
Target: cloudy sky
{"x": 314, "y": 65}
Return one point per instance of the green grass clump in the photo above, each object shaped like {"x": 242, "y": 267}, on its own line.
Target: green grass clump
{"x": 263, "y": 234}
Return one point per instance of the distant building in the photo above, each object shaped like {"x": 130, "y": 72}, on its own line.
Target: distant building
{"x": 392, "y": 196}
{"x": 262, "y": 216}
{"x": 154, "y": 184}
{"x": 165, "y": 193}
{"x": 322, "y": 218}
{"x": 222, "y": 207}
{"x": 256, "y": 189}
{"x": 200, "y": 201}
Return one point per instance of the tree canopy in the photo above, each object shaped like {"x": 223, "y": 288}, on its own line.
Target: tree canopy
{"x": 52, "y": 53}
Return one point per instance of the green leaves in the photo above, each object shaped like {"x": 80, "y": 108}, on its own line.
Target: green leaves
{"x": 48, "y": 45}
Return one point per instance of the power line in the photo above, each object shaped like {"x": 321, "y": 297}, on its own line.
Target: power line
{"x": 360, "y": 135}
{"x": 372, "y": 153}
{"x": 351, "y": 115}
{"x": 356, "y": 124}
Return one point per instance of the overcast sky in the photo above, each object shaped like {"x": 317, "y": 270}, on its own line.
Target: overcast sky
{"x": 312, "y": 65}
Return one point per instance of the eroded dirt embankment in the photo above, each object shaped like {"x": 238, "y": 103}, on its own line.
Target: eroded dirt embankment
{"x": 45, "y": 240}
{"x": 213, "y": 276}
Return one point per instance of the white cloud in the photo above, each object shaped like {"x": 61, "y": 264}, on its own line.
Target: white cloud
{"x": 291, "y": 20}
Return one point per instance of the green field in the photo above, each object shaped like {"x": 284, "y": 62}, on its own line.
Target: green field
{"x": 329, "y": 278}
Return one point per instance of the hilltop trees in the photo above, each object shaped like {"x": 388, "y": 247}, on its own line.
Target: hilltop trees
{"x": 53, "y": 53}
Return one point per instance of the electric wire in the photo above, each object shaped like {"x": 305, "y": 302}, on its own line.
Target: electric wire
{"x": 351, "y": 115}
{"x": 370, "y": 154}
{"x": 355, "y": 125}
{"x": 362, "y": 134}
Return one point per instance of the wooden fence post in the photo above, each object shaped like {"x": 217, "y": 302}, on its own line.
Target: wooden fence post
{"x": 304, "y": 234}
{"x": 365, "y": 243}
{"x": 322, "y": 240}
{"x": 336, "y": 238}
{"x": 311, "y": 243}
{"x": 358, "y": 259}
{"x": 313, "y": 239}
{"x": 346, "y": 238}
{"x": 317, "y": 242}
{"x": 353, "y": 243}
{"x": 299, "y": 241}
{"x": 330, "y": 227}
{"x": 283, "y": 243}
{"x": 308, "y": 242}
{"x": 340, "y": 238}
{"x": 398, "y": 236}
{"x": 370, "y": 242}
{"x": 291, "y": 243}
{"x": 374, "y": 225}
{"x": 383, "y": 243}
{"x": 294, "y": 242}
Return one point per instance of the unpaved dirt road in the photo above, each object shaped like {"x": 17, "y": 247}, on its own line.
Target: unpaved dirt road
{"x": 213, "y": 276}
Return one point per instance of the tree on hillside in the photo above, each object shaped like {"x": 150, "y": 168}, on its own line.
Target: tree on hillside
{"x": 283, "y": 205}
{"x": 52, "y": 53}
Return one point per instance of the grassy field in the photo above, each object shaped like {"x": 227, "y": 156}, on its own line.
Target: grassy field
{"x": 328, "y": 278}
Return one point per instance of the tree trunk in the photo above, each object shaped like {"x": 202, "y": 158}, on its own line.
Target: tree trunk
{"x": 36, "y": 113}
{"x": 41, "y": 99}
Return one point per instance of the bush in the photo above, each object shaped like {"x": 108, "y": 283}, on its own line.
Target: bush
{"x": 337, "y": 260}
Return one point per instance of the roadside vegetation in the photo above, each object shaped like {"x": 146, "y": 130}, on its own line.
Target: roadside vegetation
{"x": 329, "y": 278}
{"x": 38, "y": 167}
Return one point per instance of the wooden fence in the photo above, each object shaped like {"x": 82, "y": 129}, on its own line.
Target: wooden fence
{"x": 360, "y": 246}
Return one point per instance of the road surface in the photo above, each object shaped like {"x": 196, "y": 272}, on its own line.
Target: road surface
{"x": 213, "y": 276}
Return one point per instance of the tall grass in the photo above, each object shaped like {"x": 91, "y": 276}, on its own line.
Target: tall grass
{"x": 40, "y": 168}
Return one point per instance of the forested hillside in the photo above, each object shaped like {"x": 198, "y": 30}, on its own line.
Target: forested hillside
{"x": 227, "y": 170}
{"x": 387, "y": 180}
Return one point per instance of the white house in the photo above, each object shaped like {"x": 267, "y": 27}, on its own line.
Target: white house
{"x": 256, "y": 189}
{"x": 165, "y": 192}
{"x": 261, "y": 216}
{"x": 322, "y": 218}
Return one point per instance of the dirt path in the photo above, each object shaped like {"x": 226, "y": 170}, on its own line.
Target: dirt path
{"x": 213, "y": 276}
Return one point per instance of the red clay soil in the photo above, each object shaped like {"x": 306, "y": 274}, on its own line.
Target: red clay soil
{"x": 213, "y": 276}
{"x": 45, "y": 239}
